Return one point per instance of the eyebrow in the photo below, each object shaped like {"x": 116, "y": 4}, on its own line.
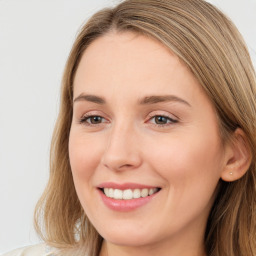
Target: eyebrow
{"x": 90, "y": 98}
{"x": 148, "y": 100}
{"x": 162, "y": 98}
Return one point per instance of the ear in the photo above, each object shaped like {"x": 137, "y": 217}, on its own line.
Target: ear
{"x": 238, "y": 157}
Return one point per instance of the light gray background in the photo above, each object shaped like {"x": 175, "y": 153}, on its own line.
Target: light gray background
{"x": 35, "y": 39}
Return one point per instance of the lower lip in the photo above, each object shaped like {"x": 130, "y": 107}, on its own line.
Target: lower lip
{"x": 125, "y": 205}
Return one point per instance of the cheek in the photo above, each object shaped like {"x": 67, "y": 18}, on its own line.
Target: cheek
{"x": 188, "y": 163}
{"x": 84, "y": 154}
{"x": 190, "y": 169}
{"x": 194, "y": 158}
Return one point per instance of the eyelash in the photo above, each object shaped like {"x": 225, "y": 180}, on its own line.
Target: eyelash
{"x": 170, "y": 121}
{"x": 85, "y": 118}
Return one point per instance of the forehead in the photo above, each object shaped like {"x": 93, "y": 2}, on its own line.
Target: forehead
{"x": 128, "y": 60}
{"x": 127, "y": 45}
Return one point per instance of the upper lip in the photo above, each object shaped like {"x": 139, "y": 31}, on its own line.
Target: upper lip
{"x": 124, "y": 186}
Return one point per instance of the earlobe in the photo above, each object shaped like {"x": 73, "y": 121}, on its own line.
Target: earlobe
{"x": 238, "y": 158}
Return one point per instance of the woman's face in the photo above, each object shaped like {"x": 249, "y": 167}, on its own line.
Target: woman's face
{"x": 142, "y": 125}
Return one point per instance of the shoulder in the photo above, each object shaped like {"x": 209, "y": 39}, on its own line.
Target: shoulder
{"x": 33, "y": 250}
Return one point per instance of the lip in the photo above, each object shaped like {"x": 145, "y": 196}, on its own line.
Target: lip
{"x": 125, "y": 205}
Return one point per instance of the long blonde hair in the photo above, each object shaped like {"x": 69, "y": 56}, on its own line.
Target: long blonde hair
{"x": 211, "y": 46}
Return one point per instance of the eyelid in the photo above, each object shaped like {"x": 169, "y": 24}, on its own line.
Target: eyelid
{"x": 163, "y": 113}
{"x": 89, "y": 113}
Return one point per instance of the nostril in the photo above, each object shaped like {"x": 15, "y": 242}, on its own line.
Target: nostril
{"x": 124, "y": 165}
{"x": 119, "y": 167}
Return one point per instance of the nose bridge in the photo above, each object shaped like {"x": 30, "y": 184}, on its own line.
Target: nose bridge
{"x": 121, "y": 150}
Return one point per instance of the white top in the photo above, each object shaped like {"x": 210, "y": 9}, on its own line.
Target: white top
{"x": 33, "y": 250}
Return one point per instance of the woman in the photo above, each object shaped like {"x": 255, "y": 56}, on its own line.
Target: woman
{"x": 154, "y": 149}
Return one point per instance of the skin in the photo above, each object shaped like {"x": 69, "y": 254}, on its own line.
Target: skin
{"x": 184, "y": 157}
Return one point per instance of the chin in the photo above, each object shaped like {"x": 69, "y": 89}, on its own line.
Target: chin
{"x": 130, "y": 238}
{"x": 128, "y": 241}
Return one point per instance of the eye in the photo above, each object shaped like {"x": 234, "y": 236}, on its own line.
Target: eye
{"x": 92, "y": 120}
{"x": 162, "y": 120}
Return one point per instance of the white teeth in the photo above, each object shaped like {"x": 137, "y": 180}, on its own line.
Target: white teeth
{"x": 118, "y": 194}
{"x": 128, "y": 194}
{"x": 136, "y": 193}
{"x": 106, "y": 192}
{"x": 144, "y": 192}
{"x": 111, "y": 192}
{"x": 151, "y": 191}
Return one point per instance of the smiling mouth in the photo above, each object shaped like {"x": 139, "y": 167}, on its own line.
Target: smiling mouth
{"x": 129, "y": 194}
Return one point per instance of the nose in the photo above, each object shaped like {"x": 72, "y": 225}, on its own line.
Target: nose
{"x": 122, "y": 149}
